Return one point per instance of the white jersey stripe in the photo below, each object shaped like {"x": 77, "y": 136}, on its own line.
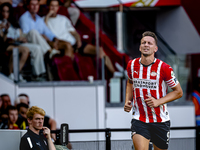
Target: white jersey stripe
{"x": 142, "y": 95}
{"x": 132, "y": 69}
{"x": 149, "y": 93}
{"x": 135, "y": 105}
{"x": 163, "y": 112}
{"x": 158, "y": 78}
{"x": 29, "y": 141}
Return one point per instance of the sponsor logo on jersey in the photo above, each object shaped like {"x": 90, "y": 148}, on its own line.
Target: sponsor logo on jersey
{"x": 153, "y": 73}
{"x": 145, "y": 84}
{"x": 136, "y": 72}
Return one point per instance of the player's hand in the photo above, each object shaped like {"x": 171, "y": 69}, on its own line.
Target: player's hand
{"x": 127, "y": 106}
{"x": 46, "y": 132}
{"x": 151, "y": 101}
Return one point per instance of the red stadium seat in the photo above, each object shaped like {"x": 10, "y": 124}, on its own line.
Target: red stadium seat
{"x": 65, "y": 68}
{"x": 85, "y": 66}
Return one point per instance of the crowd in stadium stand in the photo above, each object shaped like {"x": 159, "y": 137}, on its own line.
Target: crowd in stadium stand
{"x": 49, "y": 42}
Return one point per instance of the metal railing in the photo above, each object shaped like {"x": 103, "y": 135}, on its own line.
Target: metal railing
{"x": 108, "y": 131}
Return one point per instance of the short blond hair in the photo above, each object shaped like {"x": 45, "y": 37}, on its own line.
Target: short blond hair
{"x": 34, "y": 110}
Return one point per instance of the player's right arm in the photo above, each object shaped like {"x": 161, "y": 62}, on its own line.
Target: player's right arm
{"x": 129, "y": 96}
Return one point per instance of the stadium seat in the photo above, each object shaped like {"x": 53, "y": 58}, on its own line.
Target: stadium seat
{"x": 65, "y": 68}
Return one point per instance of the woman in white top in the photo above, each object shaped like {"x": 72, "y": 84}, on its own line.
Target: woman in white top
{"x": 12, "y": 37}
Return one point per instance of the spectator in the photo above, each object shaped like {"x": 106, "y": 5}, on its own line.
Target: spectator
{"x": 6, "y": 102}
{"x": 22, "y": 117}
{"x": 35, "y": 29}
{"x": 63, "y": 29}
{"x": 22, "y": 98}
{"x": 12, "y": 119}
{"x": 196, "y": 100}
{"x": 27, "y": 98}
{"x": 16, "y": 3}
{"x": 51, "y": 124}
{"x": 14, "y": 38}
{"x": 1, "y": 102}
{"x": 31, "y": 139}
{"x": 74, "y": 12}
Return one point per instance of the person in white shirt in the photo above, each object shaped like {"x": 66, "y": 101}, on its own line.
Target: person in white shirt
{"x": 13, "y": 37}
{"x": 64, "y": 31}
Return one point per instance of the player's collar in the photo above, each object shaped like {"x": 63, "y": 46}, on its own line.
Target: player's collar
{"x": 149, "y": 64}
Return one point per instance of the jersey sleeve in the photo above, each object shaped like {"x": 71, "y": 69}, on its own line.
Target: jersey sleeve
{"x": 169, "y": 76}
{"x": 129, "y": 70}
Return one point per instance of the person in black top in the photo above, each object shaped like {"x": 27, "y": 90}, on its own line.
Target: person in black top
{"x": 33, "y": 140}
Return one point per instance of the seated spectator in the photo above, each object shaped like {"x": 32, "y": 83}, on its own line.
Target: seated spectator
{"x": 35, "y": 29}
{"x": 63, "y": 29}
{"x": 12, "y": 119}
{"x": 22, "y": 98}
{"x": 26, "y": 101}
{"x": 16, "y": 3}
{"x": 1, "y": 102}
{"x": 13, "y": 37}
{"x": 6, "y": 102}
{"x": 22, "y": 118}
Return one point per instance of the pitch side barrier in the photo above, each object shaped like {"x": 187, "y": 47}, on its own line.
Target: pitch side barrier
{"x": 62, "y": 134}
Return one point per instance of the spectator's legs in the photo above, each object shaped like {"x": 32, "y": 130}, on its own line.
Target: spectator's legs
{"x": 37, "y": 59}
{"x": 24, "y": 51}
{"x": 67, "y": 47}
{"x": 91, "y": 49}
{"x": 35, "y": 37}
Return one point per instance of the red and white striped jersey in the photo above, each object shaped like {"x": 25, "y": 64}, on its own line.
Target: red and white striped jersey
{"x": 150, "y": 80}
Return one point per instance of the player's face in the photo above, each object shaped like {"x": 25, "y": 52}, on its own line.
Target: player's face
{"x": 54, "y": 6}
{"x": 34, "y": 6}
{"x": 148, "y": 46}
{"x": 13, "y": 116}
{"x": 37, "y": 121}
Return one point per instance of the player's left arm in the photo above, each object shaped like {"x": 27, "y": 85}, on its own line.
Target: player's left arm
{"x": 175, "y": 94}
{"x": 173, "y": 83}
